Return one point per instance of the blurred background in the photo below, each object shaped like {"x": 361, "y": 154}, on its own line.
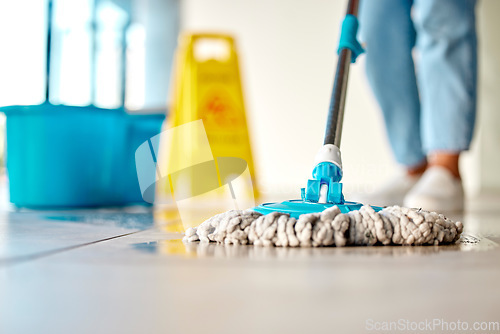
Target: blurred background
{"x": 113, "y": 54}
{"x": 288, "y": 58}
{"x": 94, "y": 45}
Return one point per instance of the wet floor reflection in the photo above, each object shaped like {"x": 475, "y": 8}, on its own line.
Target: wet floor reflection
{"x": 213, "y": 250}
{"x": 119, "y": 219}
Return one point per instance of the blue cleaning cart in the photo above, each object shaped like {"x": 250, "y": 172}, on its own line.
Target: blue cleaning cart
{"x": 67, "y": 156}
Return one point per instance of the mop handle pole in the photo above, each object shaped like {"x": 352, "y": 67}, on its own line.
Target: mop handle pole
{"x": 333, "y": 131}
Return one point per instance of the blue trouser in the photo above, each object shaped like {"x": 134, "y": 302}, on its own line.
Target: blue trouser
{"x": 431, "y": 106}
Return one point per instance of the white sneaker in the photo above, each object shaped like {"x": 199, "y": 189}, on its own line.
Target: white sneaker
{"x": 392, "y": 192}
{"x": 437, "y": 190}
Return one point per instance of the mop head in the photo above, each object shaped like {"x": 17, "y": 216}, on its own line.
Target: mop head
{"x": 393, "y": 225}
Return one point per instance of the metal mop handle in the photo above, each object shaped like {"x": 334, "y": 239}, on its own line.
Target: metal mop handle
{"x": 333, "y": 131}
{"x": 50, "y": 9}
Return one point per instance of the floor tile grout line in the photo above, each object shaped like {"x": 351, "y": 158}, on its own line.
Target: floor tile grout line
{"x": 25, "y": 258}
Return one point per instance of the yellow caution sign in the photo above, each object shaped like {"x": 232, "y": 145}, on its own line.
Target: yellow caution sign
{"x": 205, "y": 160}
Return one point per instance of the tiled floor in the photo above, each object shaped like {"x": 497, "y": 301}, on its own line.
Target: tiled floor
{"x": 115, "y": 272}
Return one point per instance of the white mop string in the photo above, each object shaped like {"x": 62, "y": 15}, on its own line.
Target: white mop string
{"x": 393, "y": 225}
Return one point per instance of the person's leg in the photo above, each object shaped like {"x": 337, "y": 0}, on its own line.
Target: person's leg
{"x": 389, "y": 36}
{"x": 447, "y": 74}
{"x": 447, "y": 71}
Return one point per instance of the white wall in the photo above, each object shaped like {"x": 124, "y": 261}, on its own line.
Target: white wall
{"x": 287, "y": 56}
{"x": 489, "y": 96}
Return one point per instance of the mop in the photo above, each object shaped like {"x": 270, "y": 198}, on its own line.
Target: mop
{"x": 322, "y": 217}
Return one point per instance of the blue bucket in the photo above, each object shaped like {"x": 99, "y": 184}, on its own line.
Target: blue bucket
{"x": 68, "y": 156}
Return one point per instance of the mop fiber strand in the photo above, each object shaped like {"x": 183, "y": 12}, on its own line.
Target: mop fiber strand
{"x": 393, "y": 225}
